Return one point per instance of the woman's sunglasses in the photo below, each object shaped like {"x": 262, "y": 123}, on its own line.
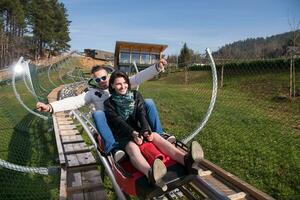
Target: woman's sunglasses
{"x": 99, "y": 79}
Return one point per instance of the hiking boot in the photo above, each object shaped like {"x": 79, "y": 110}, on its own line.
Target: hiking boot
{"x": 156, "y": 173}
{"x": 193, "y": 158}
{"x": 171, "y": 139}
{"x": 118, "y": 155}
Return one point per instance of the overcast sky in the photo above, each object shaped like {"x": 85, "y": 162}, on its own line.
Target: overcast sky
{"x": 98, "y": 24}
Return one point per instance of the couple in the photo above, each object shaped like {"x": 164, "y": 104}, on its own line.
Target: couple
{"x": 95, "y": 95}
{"x": 126, "y": 116}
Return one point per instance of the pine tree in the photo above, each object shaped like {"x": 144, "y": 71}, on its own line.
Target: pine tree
{"x": 61, "y": 30}
{"x": 185, "y": 56}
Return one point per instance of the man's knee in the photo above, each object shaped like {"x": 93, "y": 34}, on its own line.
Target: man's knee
{"x": 99, "y": 114}
{"x": 149, "y": 102}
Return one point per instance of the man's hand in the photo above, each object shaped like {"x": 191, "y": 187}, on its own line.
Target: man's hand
{"x": 162, "y": 64}
{"x": 41, "y": 107}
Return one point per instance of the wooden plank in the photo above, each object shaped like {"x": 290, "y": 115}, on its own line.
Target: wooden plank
{"x": 74, "y": 160}
{"x": 74, "y": 179}
{"x": 76, "y": 196}
{"x": 62, "y": 115}
{"x": 86, "y": 158}
{"x": 64, "y": 122}
{"x": 69, "y": 132}
{"x": 86, "y": 187}
{"x": 71, "y": 139}
{"x": 64, "y": 118}
{"x": 67, "y": 127}
{"x": 85, "y": 181}
{"x": 96, "y": 194}
{"x": 75, "y": 148}
{"x": 83, "y": 168}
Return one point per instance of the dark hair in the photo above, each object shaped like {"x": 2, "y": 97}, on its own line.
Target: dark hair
{"x": 97, "y": 68}
{"x": 117, "y": 74}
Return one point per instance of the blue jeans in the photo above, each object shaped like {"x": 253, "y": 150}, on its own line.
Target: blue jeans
{"x": 106, "y": 134}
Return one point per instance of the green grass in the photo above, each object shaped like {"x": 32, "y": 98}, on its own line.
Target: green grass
{"x": 27, "y": 140}
{"x": 249, "y": 133}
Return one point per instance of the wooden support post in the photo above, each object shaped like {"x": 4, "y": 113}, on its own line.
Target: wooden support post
{"x": 222, "y": 76}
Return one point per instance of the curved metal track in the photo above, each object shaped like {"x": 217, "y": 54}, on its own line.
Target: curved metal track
{"x": 212, "y": 101}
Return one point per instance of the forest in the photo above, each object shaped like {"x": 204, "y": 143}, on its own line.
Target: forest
{"x": 32, "y": 28}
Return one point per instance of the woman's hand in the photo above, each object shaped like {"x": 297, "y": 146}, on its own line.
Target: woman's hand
{"x": 148, "y": 135}
{"x": 137, "y": 138}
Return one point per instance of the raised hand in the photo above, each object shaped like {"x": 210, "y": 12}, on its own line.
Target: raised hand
{"x": 162, "y": 64}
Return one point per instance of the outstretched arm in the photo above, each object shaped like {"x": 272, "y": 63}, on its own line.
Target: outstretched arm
{"x": 69, "y": 103}
{"x": 147, "y": 73}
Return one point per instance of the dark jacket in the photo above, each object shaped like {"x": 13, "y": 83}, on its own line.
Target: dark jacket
{"x": 136, "y": 121}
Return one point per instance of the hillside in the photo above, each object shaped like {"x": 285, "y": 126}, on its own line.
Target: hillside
{"x": 269, "y": 47}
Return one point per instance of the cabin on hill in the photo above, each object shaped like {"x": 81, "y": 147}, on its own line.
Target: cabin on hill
{"x": 99, "y": 54}
{"x": 143, "y": 54}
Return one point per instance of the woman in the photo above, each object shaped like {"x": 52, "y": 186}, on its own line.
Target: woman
{"x": 127, "y": 118}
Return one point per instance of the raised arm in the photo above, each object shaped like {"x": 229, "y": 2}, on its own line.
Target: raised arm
{"x": 148, "y": 73}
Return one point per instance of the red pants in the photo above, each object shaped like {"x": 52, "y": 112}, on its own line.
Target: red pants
{"x": 150, "y": 152}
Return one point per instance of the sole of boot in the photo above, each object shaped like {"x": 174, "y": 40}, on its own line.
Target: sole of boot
{"x": 119, "y": 155}
{"x": 197, "y": 151}
{"x": 159, "y": 170}
{"x": 171, "y": 139}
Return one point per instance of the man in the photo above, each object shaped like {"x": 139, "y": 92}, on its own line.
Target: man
{"x": 98, "y": 92}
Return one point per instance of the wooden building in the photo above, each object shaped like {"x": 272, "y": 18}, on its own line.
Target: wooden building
{"x": 142, "y": 53}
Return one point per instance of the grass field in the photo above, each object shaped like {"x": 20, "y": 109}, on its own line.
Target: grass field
{"x": 250, "y": 133}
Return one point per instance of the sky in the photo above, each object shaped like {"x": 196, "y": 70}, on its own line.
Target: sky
{"x": 98, "y": 24}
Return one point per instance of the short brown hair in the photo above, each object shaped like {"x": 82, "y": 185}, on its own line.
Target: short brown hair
{"x": 97, "y": 68}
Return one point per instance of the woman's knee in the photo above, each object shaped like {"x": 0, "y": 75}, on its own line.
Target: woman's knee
{"x": 157, "y": 139}
{"x": 132, "y": 148}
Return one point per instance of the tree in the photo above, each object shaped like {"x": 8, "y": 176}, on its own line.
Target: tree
{"x": 61, "y": 30}
{"x": 31, "y": 28}
{"x": 185, "y": 56}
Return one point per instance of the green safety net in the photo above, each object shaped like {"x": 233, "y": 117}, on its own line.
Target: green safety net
{"x": 253, "y": 130}
{"x": 29, "y": 167}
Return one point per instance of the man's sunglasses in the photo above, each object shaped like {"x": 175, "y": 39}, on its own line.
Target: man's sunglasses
{"x": 99, "y": 79}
